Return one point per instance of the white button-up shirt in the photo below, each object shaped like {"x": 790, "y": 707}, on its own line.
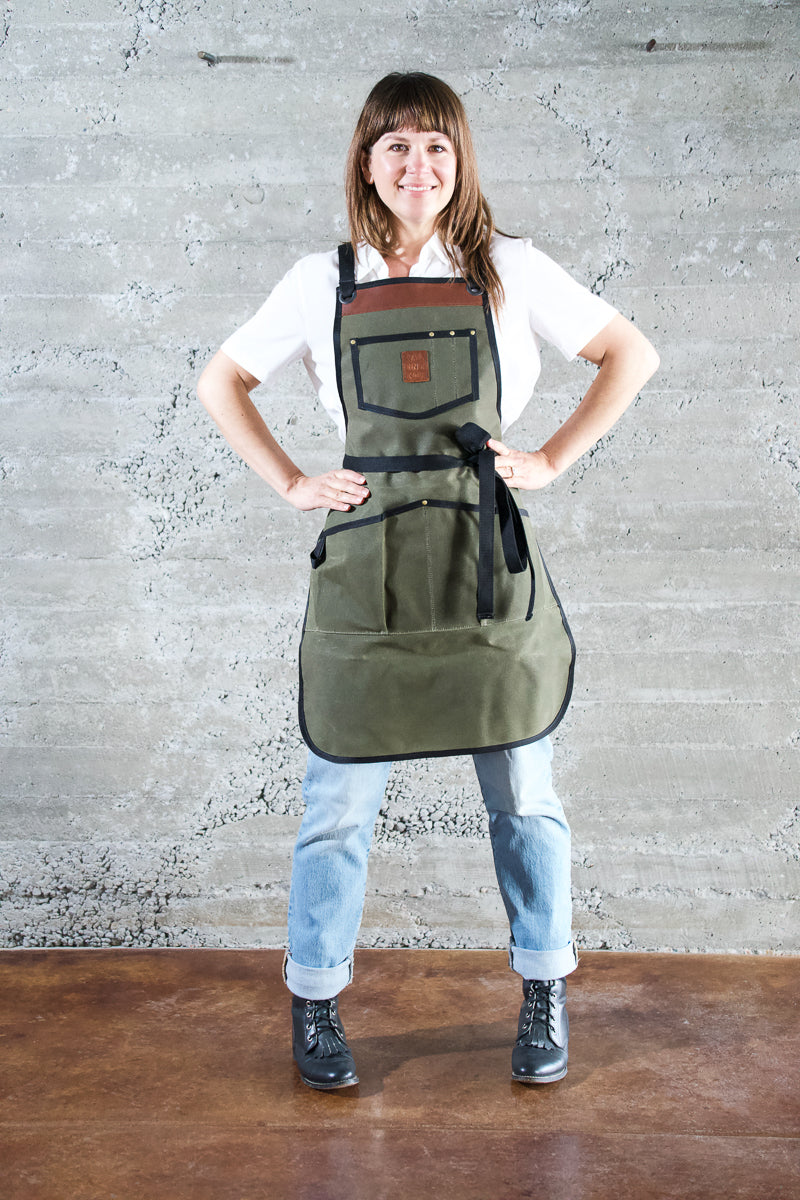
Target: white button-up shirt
{"x": 541, "y": 302}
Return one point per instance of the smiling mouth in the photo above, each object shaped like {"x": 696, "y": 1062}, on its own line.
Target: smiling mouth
{"x": 416, "y": 187}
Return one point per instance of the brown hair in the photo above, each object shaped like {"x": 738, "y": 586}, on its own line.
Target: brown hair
{"x": 427, "y": 105}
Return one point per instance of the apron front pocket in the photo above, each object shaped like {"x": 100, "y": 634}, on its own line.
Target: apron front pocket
{"x": 431, "y": 570}
{"x": 346, "y": 589}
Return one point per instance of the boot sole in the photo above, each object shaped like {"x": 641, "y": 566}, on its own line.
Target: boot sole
{"x": 329, "y": 1087}
{"x": 533, "y": 1079}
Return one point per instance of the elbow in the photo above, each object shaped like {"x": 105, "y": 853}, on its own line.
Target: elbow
{"x": 652, "y": 361}
{"x": 201, "y": 387}
{"x": 628, "y": 351}
{"x": 637, "y": 361}
{"x": 220, "y": 380}
{"x": 207, "y": 386}
{"x": 646, "y": 357}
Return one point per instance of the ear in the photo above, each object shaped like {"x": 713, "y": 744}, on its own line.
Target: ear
{"x": 365, "y": 171}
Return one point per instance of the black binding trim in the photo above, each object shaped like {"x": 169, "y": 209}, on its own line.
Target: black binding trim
{"x": 408, "y": 280}
{"x": 318, "y": 553}
{"x": 487, "y": 314}
{"x": 338, "y": 758}
{"x": 414, "y": 335}
{"x": 391, "y": 463}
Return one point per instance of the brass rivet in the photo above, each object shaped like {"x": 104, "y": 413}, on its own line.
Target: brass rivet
{"x": 424, "y": 501}
{"x": 431, "y": 335}
{"x": 452, "y": 333}
{"x": 352, "y": 341}
{"x": 472, "y": 331}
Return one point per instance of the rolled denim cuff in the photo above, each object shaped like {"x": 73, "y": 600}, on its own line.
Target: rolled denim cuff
{"x": 543, "y": 964}
{"x": 316, "y": 983}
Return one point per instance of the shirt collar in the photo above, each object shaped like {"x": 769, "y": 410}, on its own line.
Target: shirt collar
{"x": 433, "y": 260}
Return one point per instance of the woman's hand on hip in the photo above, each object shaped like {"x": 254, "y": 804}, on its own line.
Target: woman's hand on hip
{"x": 339, "y": 490}
{"x": 522, "y": 468}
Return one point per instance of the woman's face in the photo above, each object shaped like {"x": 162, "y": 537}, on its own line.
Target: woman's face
{"x": 414, "y": 174}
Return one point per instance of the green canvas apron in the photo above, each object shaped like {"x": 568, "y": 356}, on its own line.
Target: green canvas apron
{"x": 432, "y": 626}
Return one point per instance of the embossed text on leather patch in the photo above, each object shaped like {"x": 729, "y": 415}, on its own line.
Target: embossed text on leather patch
{"x": 416, "y": 366}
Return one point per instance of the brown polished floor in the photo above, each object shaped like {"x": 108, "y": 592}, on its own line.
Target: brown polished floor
{"x": 167, "y": 1074}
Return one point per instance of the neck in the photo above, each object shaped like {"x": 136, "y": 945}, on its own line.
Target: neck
{"x": 409, "y": 243}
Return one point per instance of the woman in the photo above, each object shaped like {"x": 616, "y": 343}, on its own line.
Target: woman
{"x": 432, "y": 626}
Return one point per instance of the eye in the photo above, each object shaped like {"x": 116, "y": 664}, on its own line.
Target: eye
{"x": 398, "y": 146}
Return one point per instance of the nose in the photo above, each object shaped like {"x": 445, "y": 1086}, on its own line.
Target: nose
{"x": 416, "y": 160}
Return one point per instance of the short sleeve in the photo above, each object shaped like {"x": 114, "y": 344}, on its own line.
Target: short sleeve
{"x": 562, "y": 311}
{"x": 275, "y": 335}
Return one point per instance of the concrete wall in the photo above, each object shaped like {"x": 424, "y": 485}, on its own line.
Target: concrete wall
{"x": 153, "y": 588}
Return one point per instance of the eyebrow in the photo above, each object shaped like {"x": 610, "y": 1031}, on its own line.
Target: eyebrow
{"x": 399, "y": 133}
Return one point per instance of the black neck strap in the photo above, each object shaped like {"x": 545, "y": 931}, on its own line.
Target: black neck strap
{"x": 347, "y": 273}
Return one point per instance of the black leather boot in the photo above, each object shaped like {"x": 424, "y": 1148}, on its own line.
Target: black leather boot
{"x": 540, "y": 1053}
{"x": 319, "y": 1046}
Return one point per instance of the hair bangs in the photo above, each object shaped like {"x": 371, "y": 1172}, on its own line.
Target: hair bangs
{"x": 411, "y": 103}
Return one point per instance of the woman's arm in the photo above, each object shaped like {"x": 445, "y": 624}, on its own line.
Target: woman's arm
{"x": 626, "y": 360}
{"x": 224, "y": 389}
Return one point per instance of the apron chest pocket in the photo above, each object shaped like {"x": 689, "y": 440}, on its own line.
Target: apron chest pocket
{"x": 417, "y": 375}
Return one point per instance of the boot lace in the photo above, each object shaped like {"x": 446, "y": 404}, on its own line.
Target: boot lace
{"x": 322, "y": 1023}
{"x": 538, "y": 1025}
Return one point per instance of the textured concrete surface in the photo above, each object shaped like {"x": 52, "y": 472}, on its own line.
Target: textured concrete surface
{"x": 153, "y": 588}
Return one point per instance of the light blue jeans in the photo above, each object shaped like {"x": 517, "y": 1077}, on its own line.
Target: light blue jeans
{"x": 530, "y": 842}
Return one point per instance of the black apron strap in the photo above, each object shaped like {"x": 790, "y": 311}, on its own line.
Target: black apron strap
{"x": 347, "y": 273}
{"x": 494, "y": 495}
{"x": 485, "y": 535}
{"x": 392, "y": 463}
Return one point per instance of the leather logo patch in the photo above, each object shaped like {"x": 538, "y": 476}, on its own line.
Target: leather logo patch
{"x": 416, "y": 366}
